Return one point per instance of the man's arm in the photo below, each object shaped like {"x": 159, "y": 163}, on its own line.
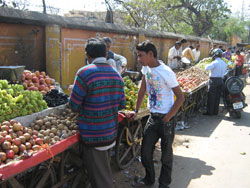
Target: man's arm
{"x": 123, "y": 102}
{"x": 177, "y": 104}
{"x": 209, "y": 66}
{"x": 78, "y": 93}
{"x": 171, "y": 54}
{"x": 191, "y": 54}
{"x": 123, "y": 59}
{"x": 140, "y": 98}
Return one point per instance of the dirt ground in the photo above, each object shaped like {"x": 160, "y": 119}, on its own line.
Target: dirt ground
{"x": 213, "y": 153}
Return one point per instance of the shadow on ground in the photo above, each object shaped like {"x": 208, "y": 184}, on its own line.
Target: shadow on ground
{"x": 188, "y": 169}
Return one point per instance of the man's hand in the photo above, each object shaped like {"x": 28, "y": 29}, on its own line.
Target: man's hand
{"x": 70, "y": 88}
{"x": 178, "y": 58}
{"x": 131, "y": 115}
{"x": 166, "y": 118}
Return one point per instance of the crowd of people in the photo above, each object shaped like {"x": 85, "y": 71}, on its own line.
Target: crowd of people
{"x": 98, "y": 94}
{"x": 180, "y": 56}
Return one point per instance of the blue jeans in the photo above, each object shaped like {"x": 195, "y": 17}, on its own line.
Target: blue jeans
{"x": 155, "y": 129}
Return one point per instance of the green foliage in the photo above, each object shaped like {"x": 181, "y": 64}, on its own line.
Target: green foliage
{"x": 185, "y": 16}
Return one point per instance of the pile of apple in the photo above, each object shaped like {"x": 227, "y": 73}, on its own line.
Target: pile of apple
{"x": 15, "y": 140}
{"x": 191, "y": 78}
{"x": 37, "y": 81}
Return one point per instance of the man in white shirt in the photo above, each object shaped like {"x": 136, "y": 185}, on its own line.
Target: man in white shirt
{"x": 160, "y": 83}
{"x": 217, "y": 69}
{"x": 174, "y": 56}
{"x": 117, "y": 61}
{"x": 197, "y": 53}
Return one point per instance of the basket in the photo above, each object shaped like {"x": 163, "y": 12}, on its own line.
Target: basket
{"x": 11, "y": 73}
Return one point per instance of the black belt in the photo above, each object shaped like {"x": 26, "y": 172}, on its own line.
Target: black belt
{"x": 160, "y": 115}
{"x": 215, "y": 78}
{"x": 157, "y": 114}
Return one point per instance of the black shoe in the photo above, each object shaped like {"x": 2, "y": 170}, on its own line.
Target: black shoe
{"x": 141, "y": 183}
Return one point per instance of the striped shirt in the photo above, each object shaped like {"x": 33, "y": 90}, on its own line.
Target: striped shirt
{"x": 97, "y": 95}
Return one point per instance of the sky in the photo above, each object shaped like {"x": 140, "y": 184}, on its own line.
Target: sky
{"x": 99, "y": 5}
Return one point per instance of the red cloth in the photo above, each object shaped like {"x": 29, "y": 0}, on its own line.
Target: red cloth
{"x": 239, "y": 60}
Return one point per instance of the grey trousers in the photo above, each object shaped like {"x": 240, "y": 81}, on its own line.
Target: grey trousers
{"x": 98, "y": 167}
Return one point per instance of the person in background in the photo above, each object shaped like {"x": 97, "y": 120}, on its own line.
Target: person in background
{"x": 187, "y": 53}
{"x": 221, "y": 47}
{"x": 227, "y": 54}
{"x": 97, "y": 97}
{"x": 217, "y": 69}
{"x": 119, "y": 62}
{"x": 183, "y": 45}
{"x": 160, "y": 83}
{"x": 239, "y": 61}
{"x": 247, "y": 59}
{"x": 212, "y": 49}
{"x": 174, "y": 56}
{"x": 197, "y": 53}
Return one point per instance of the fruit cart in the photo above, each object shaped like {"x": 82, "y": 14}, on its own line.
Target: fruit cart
{"x": 193, "y": 82}
{"x": 60, "y": 164}
{"x": 50, "y": 167}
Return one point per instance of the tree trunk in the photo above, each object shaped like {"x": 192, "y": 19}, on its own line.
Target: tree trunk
{"x": 44, "y": 7}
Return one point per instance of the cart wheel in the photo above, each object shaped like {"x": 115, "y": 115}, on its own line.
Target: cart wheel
{"x": 43, "y": 176}
{"x": 128, "y": 144}
{"x": 73, "y": 171}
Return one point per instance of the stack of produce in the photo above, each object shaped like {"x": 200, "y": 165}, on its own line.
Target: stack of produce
{"x": 54, "y": 98}
{"x": 17, "y": 141}
{"x": 15, "y": 101}
{"x": 202, "y": 64}
{"x": 191, "y": 78}
{"x": 37, "y": 81}
{"x": 131, "y": 93}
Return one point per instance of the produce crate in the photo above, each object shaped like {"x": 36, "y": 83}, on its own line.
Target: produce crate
{"x": 11, "y": 73}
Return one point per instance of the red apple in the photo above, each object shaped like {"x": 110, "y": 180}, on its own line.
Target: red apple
{"x": 43, "y": 92}
{"x": 47, "y": 80}
{"x": 43, "y": 73}
{"x": 40, "y": 77}
{"x": 42, "y": 81}
{"x": 37, "y": 73}
{"x": 42, "y": 87}
{"x": 25, "y": 85}
{"x": 37, "y": 85}
{"x": 28, "y": 77}
{"x": 31, "y": 84}
{"x": 10, "y": 154}
{"x": 35, "y": 79}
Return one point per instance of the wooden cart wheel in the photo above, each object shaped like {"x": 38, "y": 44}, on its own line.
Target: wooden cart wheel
{"x": 128, "y": 144}
{"x": 70, "y": 170}
{"x": 42, "y": 176}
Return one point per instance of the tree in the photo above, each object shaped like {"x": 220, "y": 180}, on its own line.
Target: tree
{"x": 17, "y": 4}
{"x": 191, "y": 16}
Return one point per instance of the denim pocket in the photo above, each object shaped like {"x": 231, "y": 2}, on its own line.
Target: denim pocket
{"x": 149, "y": 123}
{"x": 167, "y": 128}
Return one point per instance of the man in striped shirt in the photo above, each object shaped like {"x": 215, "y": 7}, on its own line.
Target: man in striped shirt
{"x": 97, "y": 95}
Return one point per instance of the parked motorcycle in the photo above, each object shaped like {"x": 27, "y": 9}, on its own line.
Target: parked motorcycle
{"x": 233, "y": 97}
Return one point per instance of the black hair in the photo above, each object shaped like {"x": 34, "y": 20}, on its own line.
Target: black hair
{"x": 147, "y": 46}
{"x": 107, "y": 40}
{"x": 191, "y": 47}
{"x": 220, "y": 47}
{"x": 95, "y": 47}
{"x": 183, "y": 41}
{"x": 238, "y": 51}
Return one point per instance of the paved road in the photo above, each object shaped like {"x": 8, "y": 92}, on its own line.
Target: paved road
{"x": 213, "y": 153}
